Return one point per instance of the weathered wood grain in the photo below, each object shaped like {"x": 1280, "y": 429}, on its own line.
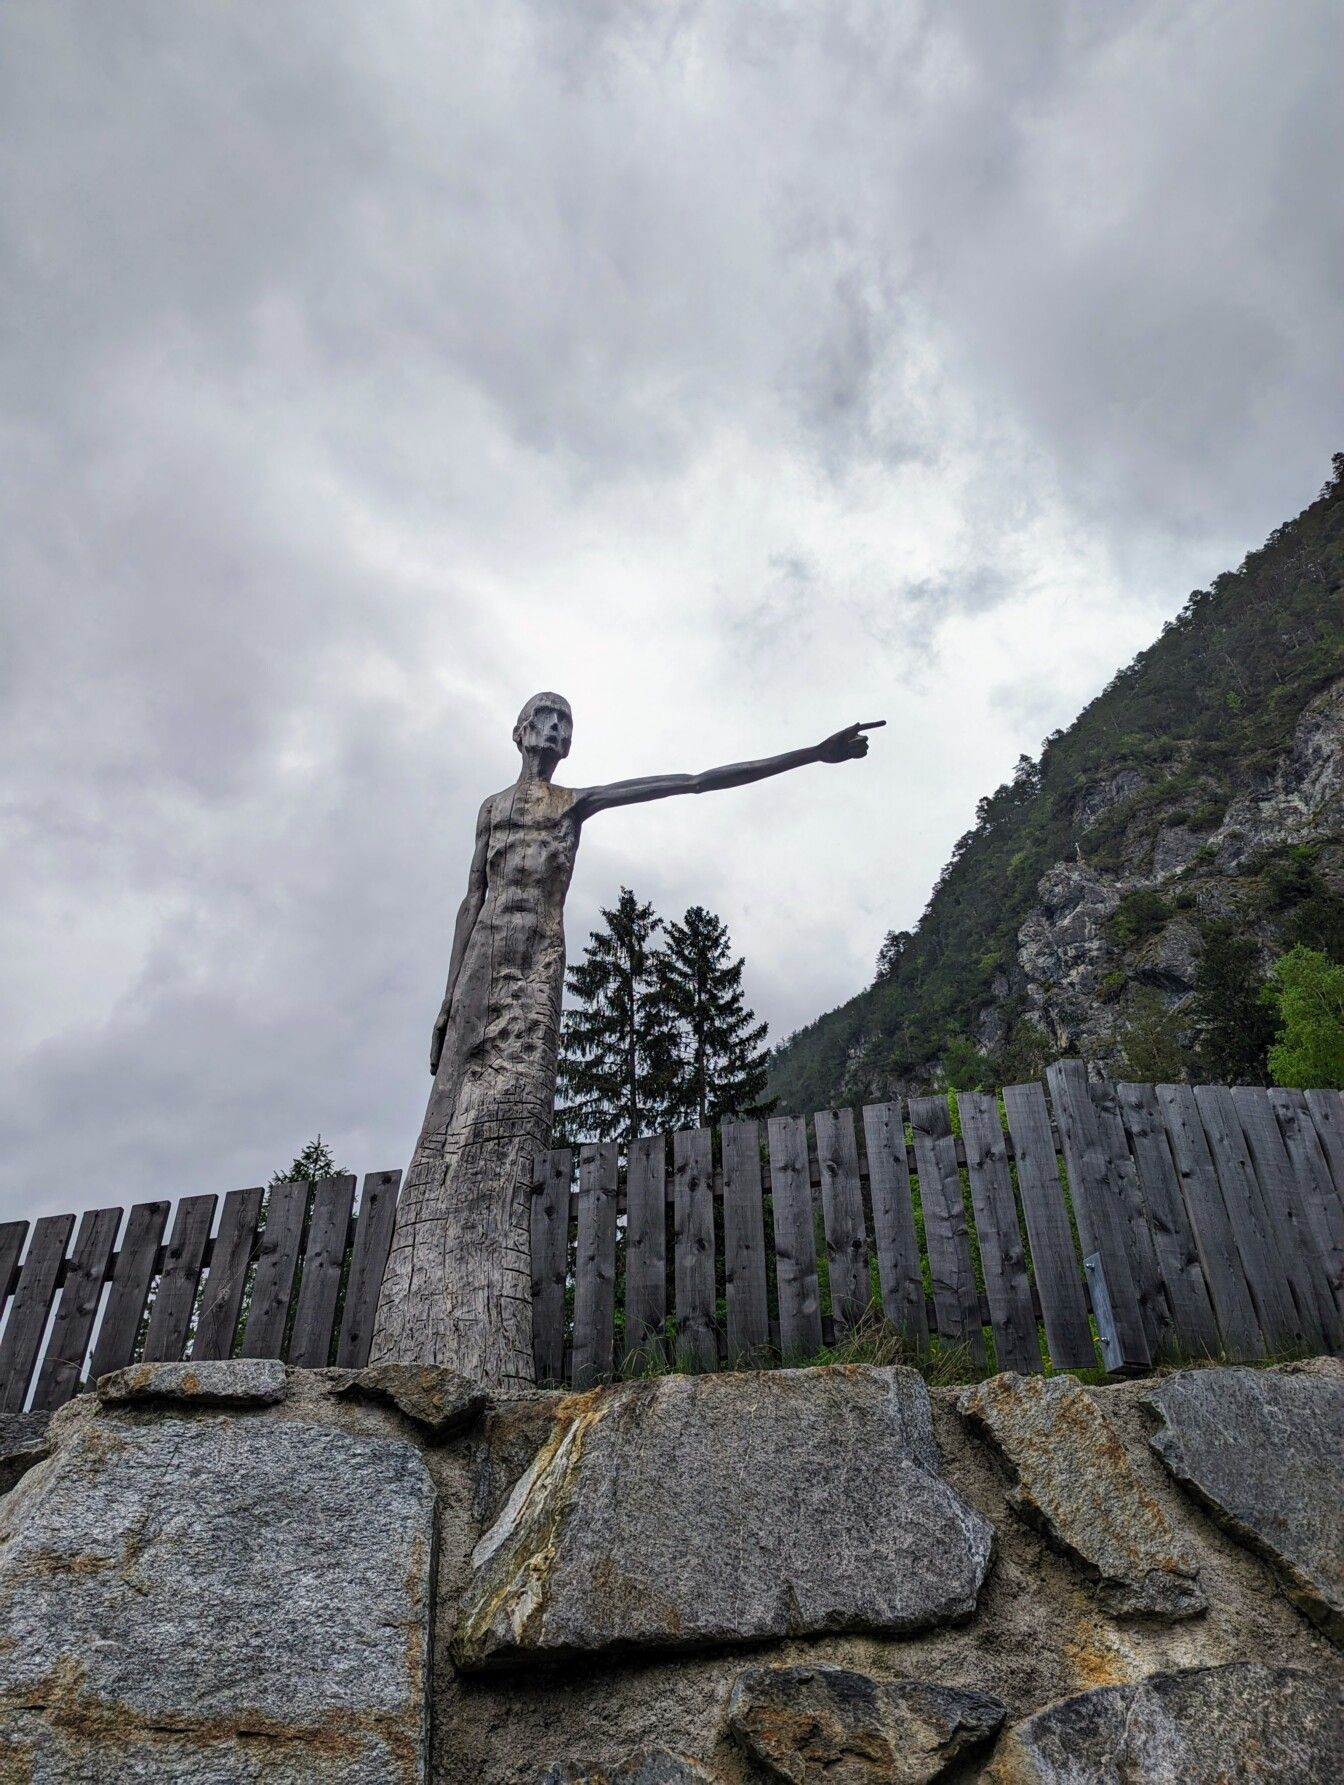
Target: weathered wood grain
{"x": 320, "y": 1282}
{"x": 595, "y": 1266}
{"x": 1003, "y": 1258}
{"x": 956, "y": 1301}
{"x": 119, "y": 1329}
{"x": 1327, "y": 1116}
{"x": 693, "y": 1246}
{"x": 1220, "y": 1260}
{"x": 170, "y": 1316}
{"x": 1301, "y": 1259}
{"x": 277, "y": 1264}
{"x": 1173, "y": 1238}
{"x": 1099, "y": 1211}
{"x": 1158, "y": 1323}
{"x": 744, "y": 1269}
{"x": 63, "y": 1362}
{"x": 226, "y": 1279}
{"x": 368, "y": 1256}
{"x": 12, "y": 1236}
{"x": 1265, "y": 1274}
{"x": 29, "y": 1310}
{"x": 795, "y": 1238}
{"x": 1317, "y": 1192}
{"x": 895, "y": 1239}
{"x": 842, "y": 1214}
{"x": 1059, "y": 1279}
{"x": 646, "y": 1252}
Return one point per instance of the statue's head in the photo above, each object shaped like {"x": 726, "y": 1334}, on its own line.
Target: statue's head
{"x": 545, "y": 725}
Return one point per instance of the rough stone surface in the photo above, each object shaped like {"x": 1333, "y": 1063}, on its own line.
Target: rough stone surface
{"x": 830, "y": 1726}
{"x": 24, "y": 1440}
{"x": 657, "y": 1768}
{"x": 237, "y": 1382}
{"x": 1263, "y": 1450}
{"x": 1074, "y": 1480}
{"x": 436, "y": 1398}
{"x": 1242, "y": 1724}
{"x": 724, "y": 1509}
{"x": 238, "y": 1598}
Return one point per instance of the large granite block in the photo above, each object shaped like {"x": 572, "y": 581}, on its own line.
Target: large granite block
{"x": 725, "y": 1509}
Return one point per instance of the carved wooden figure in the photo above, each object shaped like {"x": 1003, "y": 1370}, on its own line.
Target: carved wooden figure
{"x": 457, "y": 1289}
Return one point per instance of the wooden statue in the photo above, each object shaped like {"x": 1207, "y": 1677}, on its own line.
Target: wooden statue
{"x": 458, "y": 1285}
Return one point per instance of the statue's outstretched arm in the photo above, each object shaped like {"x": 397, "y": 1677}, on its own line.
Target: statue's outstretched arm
{"x": 839, "y": 747}
{"x": 468, "y": 912}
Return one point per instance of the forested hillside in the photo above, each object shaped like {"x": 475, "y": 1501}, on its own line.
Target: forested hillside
{"x": 1163, "y": 850}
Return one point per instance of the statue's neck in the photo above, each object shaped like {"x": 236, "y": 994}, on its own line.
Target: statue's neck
{"x": 538, "y": 765}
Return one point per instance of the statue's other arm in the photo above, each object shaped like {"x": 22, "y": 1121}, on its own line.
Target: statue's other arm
{"x": 468, "y": 912}
{"x": 840, "y": 747}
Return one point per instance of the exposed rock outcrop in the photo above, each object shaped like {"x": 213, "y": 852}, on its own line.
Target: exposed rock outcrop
{"x": 237, "y": 1382}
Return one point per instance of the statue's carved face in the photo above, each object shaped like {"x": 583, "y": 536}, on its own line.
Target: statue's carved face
{"x": 546, "y": 726}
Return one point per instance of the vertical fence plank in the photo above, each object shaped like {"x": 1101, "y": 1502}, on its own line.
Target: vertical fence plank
{"x": 1002, "y": 1256}
{"x": 842, "y": 1213}
{"x": 1327, "y": 1116}
{"x": 1059, "y": 1282}
{"x": 693, "y": 1240}
{"x": 1174, "y": 1241}
{"x": 595, "y": 1265}
{"x": 134, "y": 1272}
{"x": 277, "y": 1263}
{"x": 1224, "y": 1272}
{"x": 1145, "y": 1273}
{"x": 1100, "y": 1216}
{"x": 1315, "y": 1190}
{"x": 550, "y": 1263}
{"x": 895, "y": 1240}
{"x": 63, "y": 1364}
{"x": 12, "y": 1236}
{"x": 320, "y": 1284}
{"x": 795, "y": 1238}
{"x": 646, "y": 1250}
{"x": 956, "y": 1301}
{"x": 31, "y": 1306}
{"x": 1265, "y": 1275}
{"x": 368, "y": 1260}
{"x": 170, "y": 1317}
{"x": 226, "y": 1279}
{"x": 744, "y": 1241}
{"x": 1298, "y": 1252}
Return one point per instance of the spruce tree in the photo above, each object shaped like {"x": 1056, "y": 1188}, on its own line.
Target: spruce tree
{"x": 615, "y": 1047}
{"x": 720, "y": 1068}
{"x": 1233, "y": 1024}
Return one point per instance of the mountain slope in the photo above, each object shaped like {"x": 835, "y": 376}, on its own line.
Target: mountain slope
{"x": 1202, "y": 790}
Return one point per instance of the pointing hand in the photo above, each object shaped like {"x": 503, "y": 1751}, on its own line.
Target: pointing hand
{"x": 842, "y": 745}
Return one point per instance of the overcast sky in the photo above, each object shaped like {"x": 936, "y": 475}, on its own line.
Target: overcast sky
{"x": 738, "y": 370}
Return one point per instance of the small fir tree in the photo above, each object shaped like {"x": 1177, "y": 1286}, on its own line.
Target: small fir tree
{"x": 616, "y": 1043}
{"x": 1308, "y": 988}
{"x": 316, "y": 1161}
{"x": 894, "y": 945}
{"x": 720, "y": 1064}
{"x": 1232, "y": 1023}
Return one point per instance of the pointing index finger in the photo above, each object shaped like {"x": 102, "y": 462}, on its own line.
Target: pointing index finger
{"x": 870, "y": 724}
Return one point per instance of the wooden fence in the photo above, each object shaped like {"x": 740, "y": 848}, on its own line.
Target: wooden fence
{"x": 1136, "y": 1223}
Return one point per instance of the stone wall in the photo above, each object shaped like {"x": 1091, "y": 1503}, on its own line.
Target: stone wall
{"x": 236, "y": 1573}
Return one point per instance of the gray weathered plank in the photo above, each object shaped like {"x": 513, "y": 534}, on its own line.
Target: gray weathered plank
{"x": 277, "y": 1264}
{"x": 63, "y": 1362}
{"x": 645, "y": 1252}
{"x": 795, "y": 1238}
{"x": 1256, "y": 1241}
{"x": 595, "y": 1266}
{"x": 12, "y": 1236}
{"x": 1145, "y": 1272}
{"x": 956, "y": 1301}
{"x": 1316, "y": 1191}
{"x": 1059, "y": 1280}
{"x": 320, "y": 1284}
{"x": 550, "y": 1263}
{"x": 119, "y": 1329}
{"x": 1301, "y": 1257}
{"x": 1224, "y": 1273}
{"x": 895, "y": 1239}
{"x": 1100, "y": 1214}
{"x": 170, "y": 1316}
{"x": 1327, "y": 1116}
{"x": 1177, "y": 1254}
{"x": 1003, "y": 1258}
{"x": 693, "y": 1246}
{"x": 842, "y": 1214}
{"x": 226, "y": 1279}
{"x": 368, "y": 1259}
{"x": 29, "y": 1310}
{"x": 744, "y": 1241}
